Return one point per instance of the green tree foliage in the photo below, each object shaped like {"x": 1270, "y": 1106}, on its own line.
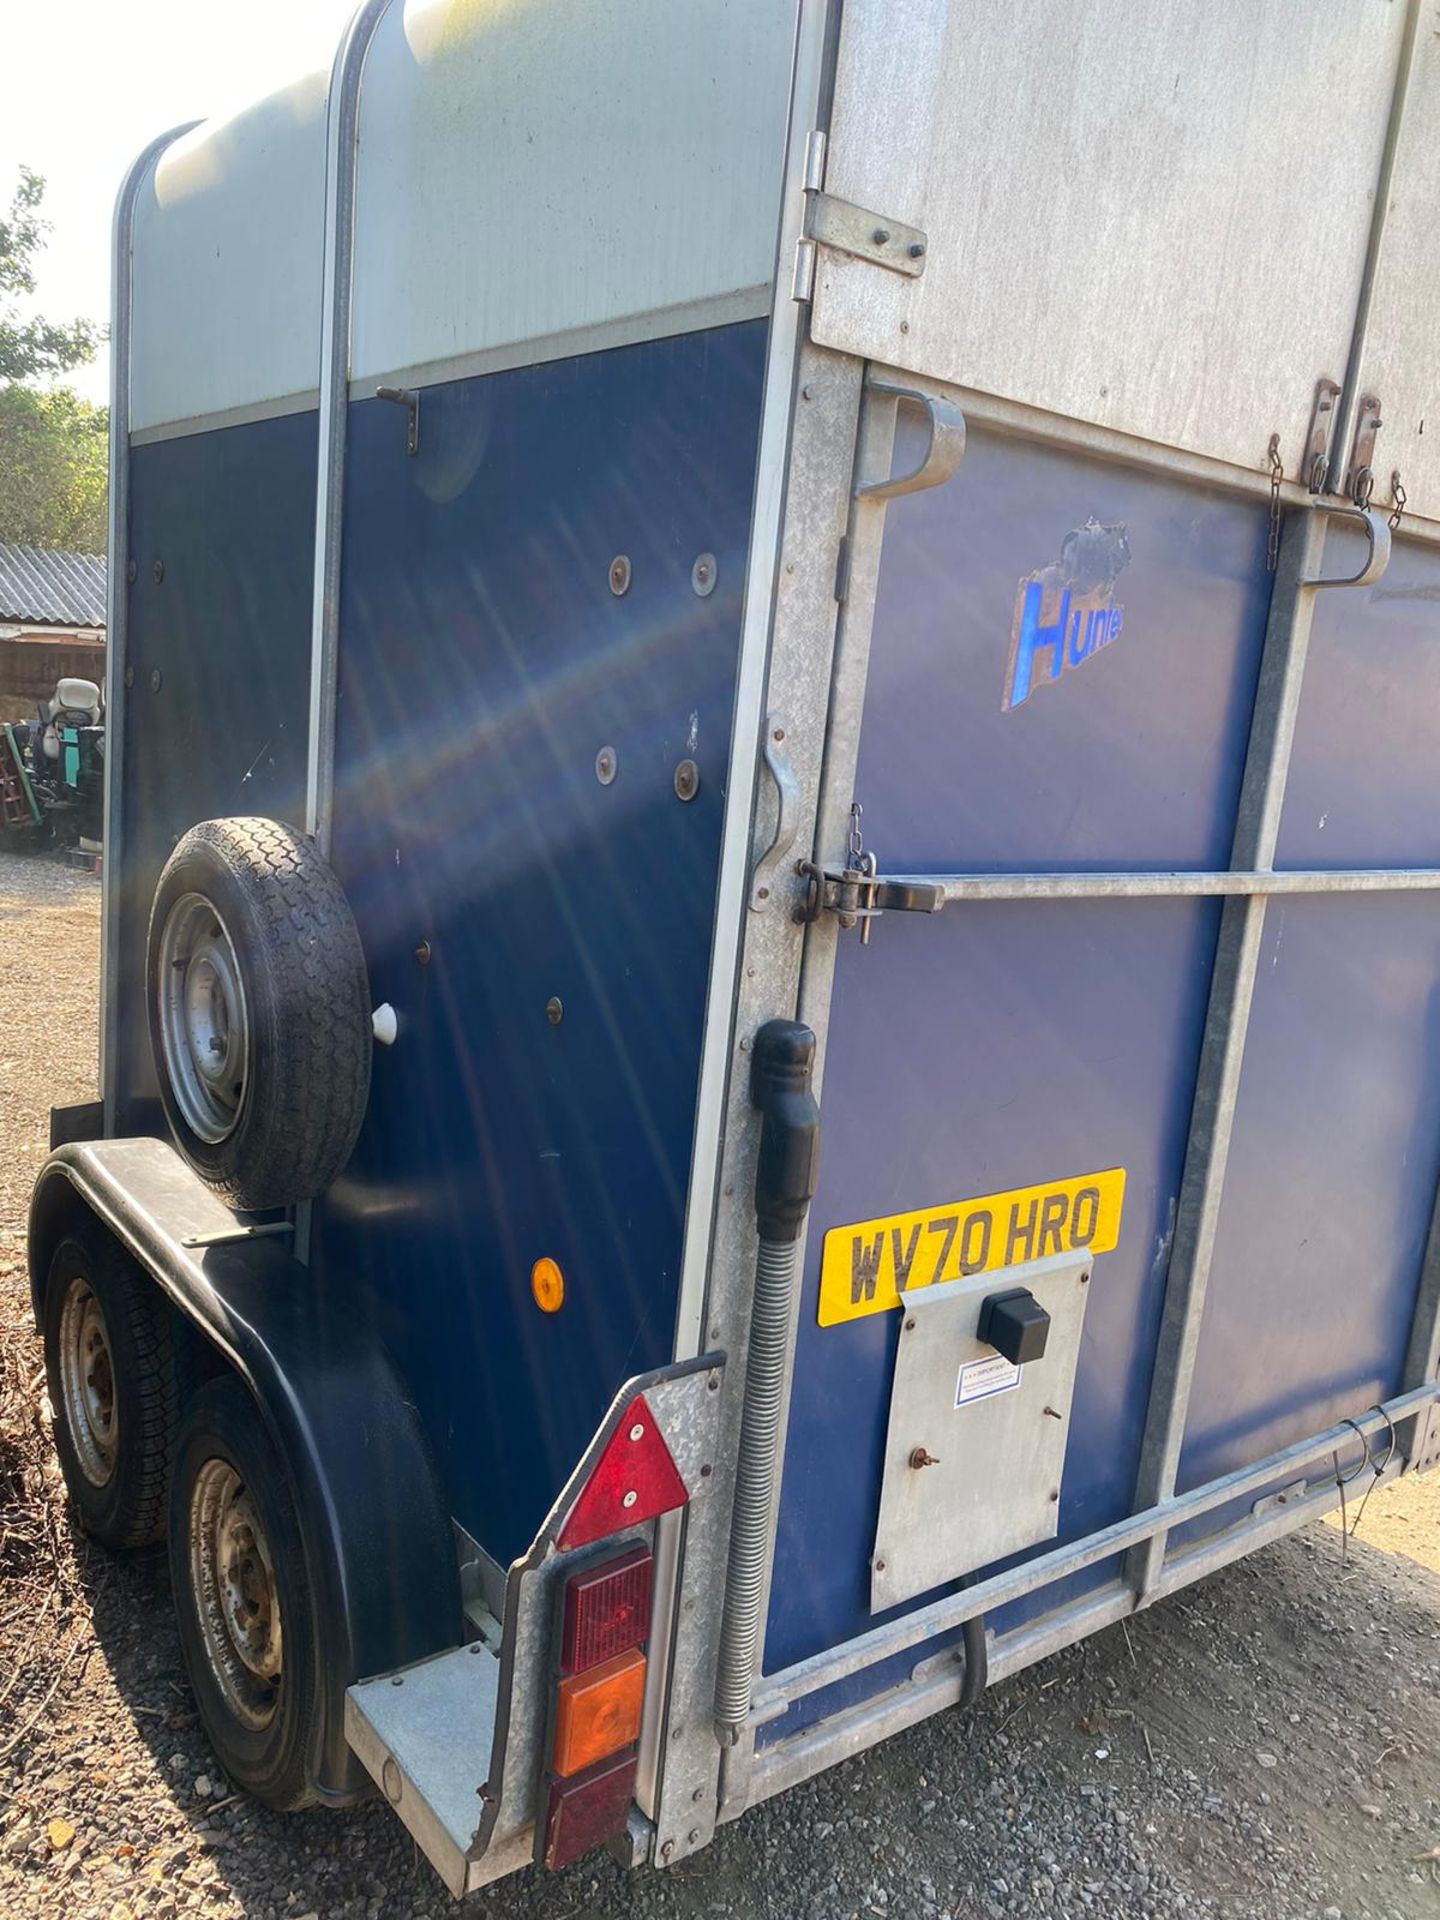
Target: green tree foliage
{"x": 52, "y": 443}
{"x": 31, "y": 348}
{"x": 52, "y": 469}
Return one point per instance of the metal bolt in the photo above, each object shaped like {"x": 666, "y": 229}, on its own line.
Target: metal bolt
{"x": 920, "y": 1457}
{"x": 917, "y": 250}
{"x": 637, "y": 1432}
{"x": 1054, "y": 1495}
{"x": 687, "y": 780}
{"x": 879, "y": 1566}
{"x": 667, "y": 1849}
{"x": 554, "y": 1010}
{"x": 607, "y": 765}
{"x": 422, "y": 953}
{"x": 698, "y": 1795}
{"x": 712, "y": 1385}
{"x": 910, "y": 1324}
{"x": 881, "y": 236}
{"x": 620, "y": 574}
{"x": 129, "y": 676}
{"x": 629, "y": 1500}
{"x": 157, "y": 680}
{"x": 1053, "y": 1415}
{"x": 706, "y": 1471}
{"x": 704, "y": 574}
{"x": 693, "y": 1836}
{"x": 397, "y": 1679}
{"x": 158, "y": 570}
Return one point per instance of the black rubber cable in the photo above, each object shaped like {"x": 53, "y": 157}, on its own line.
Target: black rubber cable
{"x": 977, "y": 1658}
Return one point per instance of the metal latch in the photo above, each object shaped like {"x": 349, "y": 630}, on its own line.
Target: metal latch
{"x": 846, "y": 228}
{"x": 856, "y": 893}
{"x": 1360, "y": 477}
{"x": 408, "y": 398}
{"x": 1316, "y": 470}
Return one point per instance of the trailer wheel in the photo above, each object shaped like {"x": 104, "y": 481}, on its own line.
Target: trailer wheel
{"x": 113, "y": 1365}
{"x": 259, "y": 1012}
{"x": 242, "y": 1598}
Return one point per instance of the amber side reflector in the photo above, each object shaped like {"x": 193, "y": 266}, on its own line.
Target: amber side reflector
{"x": 598, "y": 1712}
{"x": 547, "y": 1285}
{"x": 588, "y": 1810}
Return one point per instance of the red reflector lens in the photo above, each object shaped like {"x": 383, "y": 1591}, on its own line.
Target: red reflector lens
{"x": 591, "y": 1808}
{"x": 634, "y": 1479}
{"x": 607, "y": 1611}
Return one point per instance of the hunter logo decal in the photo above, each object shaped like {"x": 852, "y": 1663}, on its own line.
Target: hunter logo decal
{"x": 869, "y": 1267}
{"x": 1066, "y": 613}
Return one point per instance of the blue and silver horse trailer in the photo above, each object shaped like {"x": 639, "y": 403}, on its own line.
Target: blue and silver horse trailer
{"x": 770, "y": 945}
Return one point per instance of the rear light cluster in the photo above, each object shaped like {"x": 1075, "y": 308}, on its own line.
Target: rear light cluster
{"x": 598, "y": 1703}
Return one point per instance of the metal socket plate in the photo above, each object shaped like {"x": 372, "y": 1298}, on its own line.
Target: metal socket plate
{"x": 994, "y": 1435}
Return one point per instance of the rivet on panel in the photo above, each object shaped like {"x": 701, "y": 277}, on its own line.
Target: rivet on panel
{"x": 554, "y": 1010}
{"x": 607, "y": 765}
{"x": 157, "y": 680}
{"x": 687, "y": 780}
{"x": 703, "y": 574}
{"x": 131, "y": 570}
{"x": 620, "y": 574}
{"x": 158, "y": 571}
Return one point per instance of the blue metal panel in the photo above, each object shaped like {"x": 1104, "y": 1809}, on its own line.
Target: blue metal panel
{"x": 484, "y": 662}
{"x": 218, "y": 715}
{"x": 1367, "y": 743}
{"x": 1001, "y": 1045}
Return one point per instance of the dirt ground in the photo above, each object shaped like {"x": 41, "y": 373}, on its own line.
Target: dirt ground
{"x": 1262, "y": 1745}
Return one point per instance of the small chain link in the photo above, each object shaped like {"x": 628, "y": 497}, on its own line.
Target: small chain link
{"x": 1277, "y": 474}
{"x": 1398, "y": 495}
{"x": 857, "y": 838}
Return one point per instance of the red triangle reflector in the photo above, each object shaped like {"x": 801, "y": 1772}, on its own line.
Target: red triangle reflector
{"x": 634, "y": 1479}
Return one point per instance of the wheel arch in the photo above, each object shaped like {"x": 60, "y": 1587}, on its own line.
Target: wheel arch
{"x": 377, "y": 1539}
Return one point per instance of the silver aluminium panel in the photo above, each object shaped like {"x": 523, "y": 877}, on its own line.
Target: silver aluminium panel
{"x": 975, "y": 1448}
{"x": 1150, "y": 215}
{"x": 1400, "y": 343}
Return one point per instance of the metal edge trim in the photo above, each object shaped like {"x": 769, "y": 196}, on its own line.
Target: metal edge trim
{"x": 659, "y": 323}
{"x": 742, "y": 785}
{"x": 117, "y": 535}
{"x": 242, "y": 416}
{"x": 342, "y": 125}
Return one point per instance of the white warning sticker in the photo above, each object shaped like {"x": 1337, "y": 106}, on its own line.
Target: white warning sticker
{"x": 979, "y": 1379}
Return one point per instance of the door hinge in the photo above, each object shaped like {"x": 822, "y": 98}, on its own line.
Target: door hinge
{"x": 844, "y": 227}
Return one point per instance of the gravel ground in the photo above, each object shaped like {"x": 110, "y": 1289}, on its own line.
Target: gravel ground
{"x": 1260, "y": 1746}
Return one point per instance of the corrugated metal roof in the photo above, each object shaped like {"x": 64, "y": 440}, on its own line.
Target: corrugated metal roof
{"x": 52, "y": 589}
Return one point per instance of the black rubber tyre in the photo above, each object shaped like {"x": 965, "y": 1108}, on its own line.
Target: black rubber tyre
{"x": 276, "y": 1122}
{"x": 265, "y": 1731}
{"x": 115, "y": 1368}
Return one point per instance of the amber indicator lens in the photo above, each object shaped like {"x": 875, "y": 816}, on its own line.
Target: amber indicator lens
{"x": 586, "y": 1811}
{"x": 607, "y": 1611}
{"x": 598, "y": 1712}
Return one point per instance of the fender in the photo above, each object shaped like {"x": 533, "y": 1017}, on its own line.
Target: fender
{"x": 378, "y": 1546}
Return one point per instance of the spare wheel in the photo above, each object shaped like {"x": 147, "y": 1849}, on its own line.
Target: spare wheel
{"x": 259, "y": 1011}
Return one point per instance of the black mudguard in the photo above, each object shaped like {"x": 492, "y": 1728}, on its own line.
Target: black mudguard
{"x": 378, "y": 1543}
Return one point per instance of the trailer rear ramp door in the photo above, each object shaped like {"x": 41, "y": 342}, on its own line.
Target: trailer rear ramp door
{"x": 1123, "y": 861}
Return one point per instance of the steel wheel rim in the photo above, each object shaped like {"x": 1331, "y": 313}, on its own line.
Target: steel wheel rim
{"x": 204, "y": 1020}
{"x": 87, "y": 1383}
{"x": 237, "y": 1600}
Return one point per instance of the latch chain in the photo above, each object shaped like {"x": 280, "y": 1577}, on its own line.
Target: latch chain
{"x": 1277, "y": 474}
{"x": 1398, "y": 496}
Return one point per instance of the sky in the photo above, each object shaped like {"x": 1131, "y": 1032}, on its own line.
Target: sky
{"x": 90, "y": 82}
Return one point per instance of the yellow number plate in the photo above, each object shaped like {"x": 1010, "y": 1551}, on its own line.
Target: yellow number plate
{"x": 866, "y": 1268}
